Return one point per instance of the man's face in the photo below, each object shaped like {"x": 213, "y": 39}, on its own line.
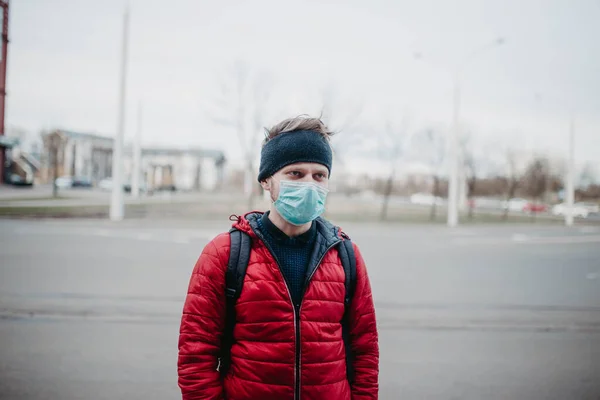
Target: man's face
{"x": 298, "y": 172}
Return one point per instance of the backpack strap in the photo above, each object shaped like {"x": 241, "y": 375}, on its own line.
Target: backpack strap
{"x": 346, "y": 251}
{"x": 239, "y": 255}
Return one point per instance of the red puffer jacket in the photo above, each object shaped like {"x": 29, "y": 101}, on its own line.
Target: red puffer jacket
{"x": 267, "y": 360}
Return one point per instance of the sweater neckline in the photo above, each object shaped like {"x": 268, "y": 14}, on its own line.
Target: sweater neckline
{"x": 277, "y": 234}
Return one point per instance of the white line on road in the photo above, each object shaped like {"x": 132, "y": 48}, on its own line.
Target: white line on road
{"x": 179, "y": 236}
{"x": 143, "y": 236}
{"x": 593, "y": 275}
{"x": 558, "y": 239}
{"x": 519, "y": 237}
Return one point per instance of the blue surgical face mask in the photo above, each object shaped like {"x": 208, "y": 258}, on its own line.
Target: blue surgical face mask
{"x": 300, "y": 202}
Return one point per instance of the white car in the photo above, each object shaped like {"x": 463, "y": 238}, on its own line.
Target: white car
{"x": 578, "y": 210}
{"x": 516, "y": 204}
{"x": 593, "y": 208}
{"x": 64, "y": 182}
{"x": 106, "y": 184}
{"x": 426, "y": 199}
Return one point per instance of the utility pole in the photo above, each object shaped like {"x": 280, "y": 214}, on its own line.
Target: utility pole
{"x": 452, "y": 219}
{"x": 453, "y": 151}
{"x": 117, "y": 208}
{"x": 137, "y": 156}
{"x": 3, "y": 64}
{"x": 570, "y": 184}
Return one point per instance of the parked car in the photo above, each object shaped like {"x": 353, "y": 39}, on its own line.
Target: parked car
{"x": 487, "y": 203}
{"x": 535, "y": 207}
{"x": 18, "y": 180}
{"x": 524, "y": 205}
{"x": 426, "y": 199}
{"x": 516, "y": 204}
{"x": 15, "y": 174}
{"x": 64, "y": 182}
{"x": 593, "y": 208}
{"x": 581, "y": 210}
{"x": 127, "y": 187}
{"x": 81, "y": 182}
{"x": 107, "y": 184}
{"x": 166, "y": 188}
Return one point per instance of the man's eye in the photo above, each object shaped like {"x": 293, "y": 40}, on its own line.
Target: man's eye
{"x": 294, "y": 173}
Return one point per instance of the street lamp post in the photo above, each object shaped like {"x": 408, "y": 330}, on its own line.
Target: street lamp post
{"x": 453, "y": 153}
{"x": 452, "y": 219}
{"x": 117, "y": 208}
{"x": 570, "y": 184}
{"x": 137, "y": 156}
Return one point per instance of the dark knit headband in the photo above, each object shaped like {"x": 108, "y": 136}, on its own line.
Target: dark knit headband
{"x": 292, "y": 147}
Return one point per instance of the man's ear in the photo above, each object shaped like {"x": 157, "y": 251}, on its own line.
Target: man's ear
{"x": 266, "y": 185}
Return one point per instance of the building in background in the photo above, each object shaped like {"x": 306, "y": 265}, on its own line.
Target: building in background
{"x": 89, "y": 156}
{"x": 81, "y": 155}
{"x": 178, "y": 169}
{"x": 22, "y": 156}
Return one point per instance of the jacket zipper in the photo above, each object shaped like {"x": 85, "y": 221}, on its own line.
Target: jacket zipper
{"x": 298, "y": 358}
{"x": 296, "y": 308}
{"x": 297, "y": 364}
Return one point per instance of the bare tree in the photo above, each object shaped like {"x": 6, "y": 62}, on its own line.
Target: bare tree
{"x": 587, "y": 176}
{"x": 470, "y": 166}
{"x": 435, "y": 153}
{"x": 241, "y": 105}
{"x": 535, "y": 180}
{"x": 512, "y": 180}
{"x": 392, "y": 144}
{"x": 53, "y": 143}
{"x": 342, "y": 115}
{"x": 338, "y": 112}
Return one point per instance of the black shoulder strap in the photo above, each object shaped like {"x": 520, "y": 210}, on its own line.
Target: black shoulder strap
{"x": 239, "y": 255}
{"x": 349, "y": 263}
{"x": 348, "y": 259}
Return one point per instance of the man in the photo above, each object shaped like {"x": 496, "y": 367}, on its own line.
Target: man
{"x": 287, "y": 340}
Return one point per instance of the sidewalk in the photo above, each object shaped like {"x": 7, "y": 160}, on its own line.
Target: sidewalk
{"x": 41, "y": 196}
{"x": 38, "y": 203}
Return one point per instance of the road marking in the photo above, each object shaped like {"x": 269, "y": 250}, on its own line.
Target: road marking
{"x": 519, "y": 237}
{"x": 143, "y": 236}
{"x": 593, "y": 275}
{"x": 178, "y": 236}
{"x": 561, "y": 240}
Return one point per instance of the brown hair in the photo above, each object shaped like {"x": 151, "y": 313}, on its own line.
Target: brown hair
{"x": 299, "y": 123}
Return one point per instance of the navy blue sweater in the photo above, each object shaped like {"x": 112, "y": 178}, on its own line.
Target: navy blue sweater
{"x": 292, "y": 253}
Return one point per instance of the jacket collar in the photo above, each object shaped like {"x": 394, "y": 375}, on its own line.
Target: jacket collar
{"x": 328, "y": 235}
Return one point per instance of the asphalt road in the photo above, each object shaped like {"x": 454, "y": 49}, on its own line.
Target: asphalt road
{"x": 90, "y": 309}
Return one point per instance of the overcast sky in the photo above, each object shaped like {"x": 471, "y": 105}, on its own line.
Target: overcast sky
{"x": 64, "y": 63}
